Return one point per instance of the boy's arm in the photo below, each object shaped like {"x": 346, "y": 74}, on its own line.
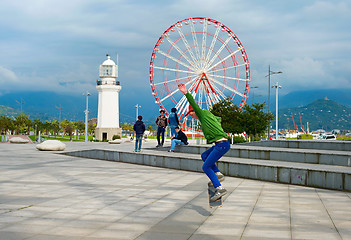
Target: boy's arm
{"x": 190, "y": 98}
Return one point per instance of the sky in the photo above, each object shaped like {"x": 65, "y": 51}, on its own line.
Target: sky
{"x": 58, "y": 45}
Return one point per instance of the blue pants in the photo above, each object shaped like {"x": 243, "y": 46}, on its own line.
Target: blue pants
{"x": 160, "y": 131}
{"x": 175, "y": 142}
{"x": 210, "y": 157}
{"x": 138, "y": 141}
{"x": 173, "y": 131}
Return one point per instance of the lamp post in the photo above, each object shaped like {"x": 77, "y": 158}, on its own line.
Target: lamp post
{"x": 137, "y": 110}
{"x": 269, "y": 92}
{"x": 87, "y": 94}
{"x": 276, "y": 86}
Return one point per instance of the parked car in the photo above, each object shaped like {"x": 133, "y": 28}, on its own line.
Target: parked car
{"x": 328, "y": 137}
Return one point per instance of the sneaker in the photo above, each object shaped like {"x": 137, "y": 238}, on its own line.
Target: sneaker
{"x": 220, "y": 177}
{"x": 170, "y": 150}
{"x": 158, "y": 145}
{"x": 219, "y": 193}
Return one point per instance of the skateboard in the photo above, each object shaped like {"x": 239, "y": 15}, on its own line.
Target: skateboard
{"x": 211, "y": 192}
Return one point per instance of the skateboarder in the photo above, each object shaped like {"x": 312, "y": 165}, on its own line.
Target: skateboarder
{"x": 212, "y": 129}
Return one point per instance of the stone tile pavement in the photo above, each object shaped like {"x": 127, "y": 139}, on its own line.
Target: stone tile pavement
{"x": 45, "y": 195}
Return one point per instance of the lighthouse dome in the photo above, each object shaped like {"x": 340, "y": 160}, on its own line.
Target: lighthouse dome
{"x": 108, "y": 61}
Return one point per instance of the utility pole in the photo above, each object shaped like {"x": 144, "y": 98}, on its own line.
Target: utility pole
{"x": 59, "y": 108}
{"x": 21, "y": 103}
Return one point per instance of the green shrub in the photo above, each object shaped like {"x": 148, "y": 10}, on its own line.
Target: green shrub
{"x": 237, "y": 139}
{"x": 304, "y": 136}
{"x": 116, "y": 137}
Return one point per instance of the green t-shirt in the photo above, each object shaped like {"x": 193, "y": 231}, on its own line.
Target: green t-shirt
{"x": 210, "y": 124}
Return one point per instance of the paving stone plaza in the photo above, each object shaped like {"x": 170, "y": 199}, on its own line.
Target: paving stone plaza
{"x": 48, "y": 195}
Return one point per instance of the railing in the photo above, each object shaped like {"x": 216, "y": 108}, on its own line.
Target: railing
{"x": 107, "y": 83}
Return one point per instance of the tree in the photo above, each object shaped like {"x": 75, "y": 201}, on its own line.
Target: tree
{"x": 80, "y": 126}
{"x": 255, "y": 120}
{"x": 23, "y": 123}
{"x": 6, "y": 124}
{"x": 38, "y": 126}
{"x": 250, "y": 119}
{"x": 230, "y": 116}
{"x": 68, "y": 126}
{"x": 150, "y": 128}
{"x": 125, "y": 127}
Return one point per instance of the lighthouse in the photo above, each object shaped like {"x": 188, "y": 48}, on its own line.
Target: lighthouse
{"x": 108, "y": 106}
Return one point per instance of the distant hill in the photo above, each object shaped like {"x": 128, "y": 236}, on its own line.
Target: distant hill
{"x": 8, "y": 111}
{"x": 321, "y": 114}
{"x": 44, "y": 105}
{"x": 303, "y": 98}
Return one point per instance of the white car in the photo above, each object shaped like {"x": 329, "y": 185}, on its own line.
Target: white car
{"x": 328, "y": 137}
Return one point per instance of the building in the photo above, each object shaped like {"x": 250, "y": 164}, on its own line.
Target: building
{"x": 108, "y": 106}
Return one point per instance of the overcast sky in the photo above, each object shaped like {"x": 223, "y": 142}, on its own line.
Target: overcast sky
{"x": 58, "y": 45}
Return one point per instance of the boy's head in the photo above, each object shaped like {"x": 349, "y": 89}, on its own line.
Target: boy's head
{"x": 140, "y": 117}
{"x": 162, "y": 112}
{"x": 174, "y": 110}
{"x": 191, "y": 112}
{"x": 177, "y": 129}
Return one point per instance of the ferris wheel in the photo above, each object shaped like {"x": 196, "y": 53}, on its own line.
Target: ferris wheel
{"x": 207, "y": 57}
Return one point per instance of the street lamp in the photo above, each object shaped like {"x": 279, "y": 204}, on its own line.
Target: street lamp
{"x": 269, "y": 92}
{"x": 137, "y": 110}
{"x": 276, "y": 86}
{"x": 87, "y": 94}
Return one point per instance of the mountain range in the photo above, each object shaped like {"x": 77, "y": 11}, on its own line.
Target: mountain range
{"x": 320, "y": 114}
{"x": 48, "y": 105}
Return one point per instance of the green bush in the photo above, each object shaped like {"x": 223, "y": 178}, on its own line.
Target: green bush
{"x": 116, "y": 137}
{"x": 237, "y": 139}
{"x": 304, "y": 136}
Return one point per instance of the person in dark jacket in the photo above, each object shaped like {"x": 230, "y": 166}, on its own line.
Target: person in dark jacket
{"x": 161, "y": 123}
{"x": 139, "y": 129}
{"x": 173, "y": 121}
{"x": 180, "y": 139}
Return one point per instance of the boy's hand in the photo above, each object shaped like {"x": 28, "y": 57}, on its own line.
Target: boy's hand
{"x": 182, "y": 88}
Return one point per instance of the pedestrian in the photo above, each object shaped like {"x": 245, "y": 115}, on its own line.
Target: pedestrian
{"x": 213, "y": 132}
{"x": 180, "y": 139}
{"x": 161, "y": 123}
{"x": 139, "y": 129}
{"x": 173, "y": 121}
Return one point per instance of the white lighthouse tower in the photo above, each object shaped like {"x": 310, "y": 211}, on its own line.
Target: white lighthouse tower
{"x": 108, "y": 108}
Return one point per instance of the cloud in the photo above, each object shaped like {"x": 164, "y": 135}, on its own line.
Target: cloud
{"x": 58, "y": 45}
{"x": 7, "y": 76}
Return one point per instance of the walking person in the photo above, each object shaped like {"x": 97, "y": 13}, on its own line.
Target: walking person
{"x": 173, "y": 121}
{"x": 180, "y": 139}
{"x": 213, "y": 132}
{"x": 161, "y": 123}
{"x": 139, "y": 129}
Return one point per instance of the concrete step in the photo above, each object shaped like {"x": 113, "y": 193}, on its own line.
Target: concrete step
{"x": 305, "y": 144}
{"x": 323, "y": 176}
{"x": 311, "y": 156}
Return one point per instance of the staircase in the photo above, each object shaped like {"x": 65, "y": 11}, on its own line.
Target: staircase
{"x": 305, "y": 164}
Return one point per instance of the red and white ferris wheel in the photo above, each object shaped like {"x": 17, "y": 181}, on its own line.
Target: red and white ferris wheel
{"x": 207, "y": 57}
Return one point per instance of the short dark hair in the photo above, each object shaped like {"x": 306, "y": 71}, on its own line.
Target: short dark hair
{"x": 177, "y": 127}
{"x": 162, "y": 111}
{"x": 140, "y": 117}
